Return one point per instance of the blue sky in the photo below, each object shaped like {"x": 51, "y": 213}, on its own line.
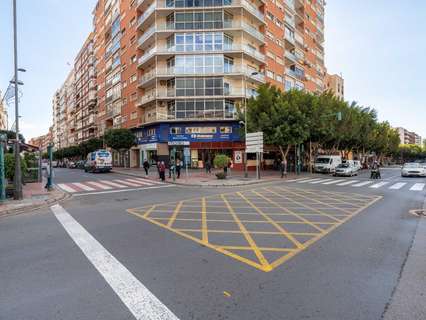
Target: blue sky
{"x": 378, "y": 46}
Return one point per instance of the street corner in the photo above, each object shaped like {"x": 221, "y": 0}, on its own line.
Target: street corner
{"x": 262, "y": 227}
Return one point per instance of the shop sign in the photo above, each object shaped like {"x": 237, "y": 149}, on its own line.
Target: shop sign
{"x": 178, "y": 143}
{"x": 238, "y": 157}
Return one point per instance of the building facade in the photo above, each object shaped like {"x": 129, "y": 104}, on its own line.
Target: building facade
{"x": 336, "y": 85}
{"x": 408, "y": 137}
{"x": 83, "y": 122}
{"x": 176, "y": 71}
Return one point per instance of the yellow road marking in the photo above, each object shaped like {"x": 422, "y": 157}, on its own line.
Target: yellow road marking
{"x": 175, "y": 213}
{"x": 251, "y": 232}
{"x": 261, "y": 248}
{"x": 249, "y": 239}
{"x": 308, "y": 206}
{"x": 291, "y": 212}
{"x": 204, "y": 220}
{"x": 276, "y": 225}
{"x": 149, "y": 211}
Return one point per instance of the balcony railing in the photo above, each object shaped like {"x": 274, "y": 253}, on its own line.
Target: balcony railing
{"x": 226, "y": 48}
{"x": 147, "y": 13}
{"x": 290, "y": 56}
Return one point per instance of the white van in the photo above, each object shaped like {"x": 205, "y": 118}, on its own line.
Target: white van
{"x": 98, "y": 161}
{"x": 327, "y": 164}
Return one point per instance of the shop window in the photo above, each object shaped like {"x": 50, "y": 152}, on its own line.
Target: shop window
{"x": 225, "y": 129}
{"x": 151, "y": 132}
{"x": 175, "y": 130}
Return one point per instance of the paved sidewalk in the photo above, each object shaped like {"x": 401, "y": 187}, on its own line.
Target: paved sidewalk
{"x": 408, "y": 300}
{"x": 198, "y": 177}
{"x": 35, "y": 196}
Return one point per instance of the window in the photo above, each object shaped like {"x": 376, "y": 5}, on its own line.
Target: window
{"x": 203, "y": 41}
{"x": 132, "y": 21}
{"x": 133, "y": 115}
{"x": 199, "y": 87}
{"x": 133, "y": 96}
{"x": 133, "y": 78}
{"x": 197, "y": 20}
{"x": 201, "y": 109}
{"x": 175, "y": 130}
{"x": 225, "y": 129}
{"x": 151, "y": 132}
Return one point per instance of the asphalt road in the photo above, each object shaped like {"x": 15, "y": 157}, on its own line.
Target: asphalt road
{"x": 340, "y": 250}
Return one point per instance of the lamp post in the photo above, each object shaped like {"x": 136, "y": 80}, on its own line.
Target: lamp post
{"x": 245, "y": 121}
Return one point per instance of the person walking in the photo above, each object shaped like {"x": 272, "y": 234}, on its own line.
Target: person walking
{"x": 171, "y": 168}
{"x": 208, "y": 166}
{"x": 146, "y": 167}
{"x": 162, "y": 170}
{"x": 158, "y": 169}
{"x": 178, "y": 167}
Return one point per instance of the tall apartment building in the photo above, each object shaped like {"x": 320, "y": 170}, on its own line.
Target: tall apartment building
{"x": 294, "y": 44}
{"x": 408, "y": 137}
{"x": 83, "y": 123}
{"x": 63, "y": 113}
{"x": 336, "y": 85}
{"x": 3, "y": 114}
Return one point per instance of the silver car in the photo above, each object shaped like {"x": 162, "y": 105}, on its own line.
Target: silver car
{"x": 413, "y": 169}
{"x": 346, "y": 169}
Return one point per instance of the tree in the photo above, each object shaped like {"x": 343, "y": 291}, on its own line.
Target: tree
{"x": 120, "y": 140}
{"x": 90, "y": 146}
{"x": 11, "y": 135}
{"x": 280, "y": 116}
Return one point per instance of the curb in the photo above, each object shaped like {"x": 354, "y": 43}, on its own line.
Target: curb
{"x": 201, "y": 184}
{"x": 32, "y": 207}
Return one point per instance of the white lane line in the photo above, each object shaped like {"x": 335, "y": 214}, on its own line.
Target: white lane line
{"x": 347, "y": 182}
{"x": 309, "y": 180}
{"x": 110, "y": 183}
{"x": 362, "y": 184}
{"x": 83, "y": 186}
{"x": 127, "y": 183}
{"x": 66, "y": 188}
{"x": 397, "y": 186}
{"x": 332, "y": 182}
{"x": 99, "y": 185}
{"x": 137, "y": 298}
{"x": 121, "y": 190}
{"x": 379, "y": 185}
{"x": 417, "y": 187}
{"x": 145, "y": 183}
{"x": 320, "y": 181}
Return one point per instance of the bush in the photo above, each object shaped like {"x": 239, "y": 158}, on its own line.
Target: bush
{"x": 221, "y": 161}
{"x": 9, "y": 165}
{"x": 221, "y": 175}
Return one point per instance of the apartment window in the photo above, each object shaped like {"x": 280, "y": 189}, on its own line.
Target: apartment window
{"x": 206, "y": 41}
{"x": 132, "y": 21}
{"x": 198, "y": 20}
{"x": 269, "y": 74}
{"x": 198, "y": 64}
{"x": 124, "y": 84}
{"x": 133, "y": 59}
{"x": 201, "y": 109}
{"x": 199, "y": 87}
{"x": 279, "y": 78}
{"x": 133, "y": 96}
{"x": 133, "y": 78}
{"x": 132, "y": 40}
{"x": 133, "y": 115}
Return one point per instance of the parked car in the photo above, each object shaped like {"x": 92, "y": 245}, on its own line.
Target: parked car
{"x": 346, "y": 169}
{"x": 413, "y": 169}
{"x": 327, "y": 164}
{"x": 98, "y": 161}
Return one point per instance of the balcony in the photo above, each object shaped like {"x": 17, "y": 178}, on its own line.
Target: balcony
{"x": 290, "y": 58}
{"x": 295, "y": 74}
{"x": 170, "y": 94}
{"x": 236, "y": 70}
{"x": 289, "y": 37}
{"x": 146, "y": 14}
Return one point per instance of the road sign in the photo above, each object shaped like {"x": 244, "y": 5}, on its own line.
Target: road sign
{"x": 254, "y": 142}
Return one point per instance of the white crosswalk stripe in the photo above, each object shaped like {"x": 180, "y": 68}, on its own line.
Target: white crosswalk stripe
{"x": 379, "y": 185}
{"x": 320, "y": 181}
{"x": 331, "y": 182}
{"x": 117, "y": 185}
{"x": 66, "y": 187}
{"x": 99, "y": 185}
{"x": 417, "y": 187}
{"x": 361, "y": 184}
{"x": 146, "y": 183}
{"x": 397, "y": 186}
{"x": 150, "y": 181}
{"x": 83, "y": 186}
{"x": 132, "y": 184}
{"x": 347, "y": 182}
{"x": 309, "y": 180}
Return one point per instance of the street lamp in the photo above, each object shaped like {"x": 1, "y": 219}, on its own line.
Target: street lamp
{"x": 254, "y": 73}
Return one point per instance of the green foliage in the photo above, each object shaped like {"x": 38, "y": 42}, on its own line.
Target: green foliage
{"x": 79, "y": 151}
{"x": 11, "y": 135}
{"x": 221, "y": 161}
{"x": 120, "y": 139}
{"x": 90, "y": 146}
{"x": 296, "y": 117}
{"x": 410, "y": 152}
{"x": 9, "y": 165}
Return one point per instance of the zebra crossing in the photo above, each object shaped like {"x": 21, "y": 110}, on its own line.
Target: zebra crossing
{"x": 372, "y": 184}
{"x": 105, "y": 186}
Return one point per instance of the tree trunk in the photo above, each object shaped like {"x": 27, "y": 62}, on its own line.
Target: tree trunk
{"x": 284, "y": 154}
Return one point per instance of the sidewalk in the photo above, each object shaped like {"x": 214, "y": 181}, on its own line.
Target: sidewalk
{"x": 408, "y": 300}
{"x": 199, "y": 177}
{"x": 35, "y": 196}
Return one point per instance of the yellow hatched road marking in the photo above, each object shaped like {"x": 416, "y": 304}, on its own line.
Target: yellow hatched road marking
{"x": 291, "y": 212}
{"x": 149, "y": 211}
{"x": 251, "y": 232}
{"x": 276, "y": 225}
{"x": 175, "y": 213}
{"x": 249, "y": 239}
{"x": 306, "y": 205}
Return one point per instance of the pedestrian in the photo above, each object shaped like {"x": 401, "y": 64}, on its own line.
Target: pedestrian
{"x": 171, "y": 168}
{"x": 162, "y": 170}
{"x": 158, "y": 169}
{"x": 146, "y": 167}
{"x": 230, "y": 166}
{"x": 178, "y": 167}
{"x": 208, "y": 166}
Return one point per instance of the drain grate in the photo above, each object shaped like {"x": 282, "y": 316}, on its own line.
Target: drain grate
{"x": 418, "y": 212}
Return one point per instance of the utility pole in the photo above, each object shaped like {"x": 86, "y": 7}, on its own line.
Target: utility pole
{"x": 18, "y": 174}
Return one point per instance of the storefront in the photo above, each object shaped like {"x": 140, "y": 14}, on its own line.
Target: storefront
{"x": 194, "y": 143}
